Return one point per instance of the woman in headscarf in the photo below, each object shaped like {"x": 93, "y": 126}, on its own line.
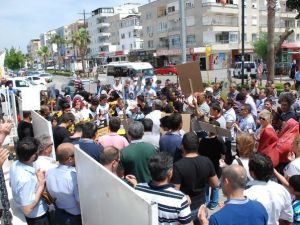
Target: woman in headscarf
{"x": 285, "y": 142}
{"x": 267, "y": 139}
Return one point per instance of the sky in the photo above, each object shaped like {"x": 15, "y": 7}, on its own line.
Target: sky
{"x": 23, "y": 20}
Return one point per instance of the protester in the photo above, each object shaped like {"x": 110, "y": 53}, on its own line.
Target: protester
{"x": 246, "y": 123}
{"x": 155, "y": 116}
{"x": 285, "y": 109}
{"x": 25, "y": 128}
{"x": 135, "y": 156}
{"x": 44, "y": 160}
{"x": 149, "y": 136}
{"x": 67, "y": 210}
{"x": 27, "y": 184}
{"x": 173, "y": 207}
{"x": 112, "y": 138}
{"x": 273, "y": 196}
{"x": 294, "y": 183}
{"x": 238, "y": 209}
{"x": 193, "y": 172}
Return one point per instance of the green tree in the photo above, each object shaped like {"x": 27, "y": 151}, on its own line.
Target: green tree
{"x": 81, "y": 39}
{"x": 260, "y": 47}
{"x": 59, "y": 41}
{"x": 44, "y": 53}
{"x": 14, "y": 59}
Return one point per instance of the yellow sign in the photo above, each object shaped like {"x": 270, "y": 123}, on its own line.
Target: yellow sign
{"x": 207, "y": 51}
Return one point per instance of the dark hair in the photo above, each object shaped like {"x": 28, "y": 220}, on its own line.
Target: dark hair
{"x": 288, "y": 84}
{"x": 269, "y": 100}
{"x": 165, "y": 122}
{"x": 262, "y": 166}
{"x": 140, "y": 98}
{"x": 216, "y": 106}
{"x": 114, "y": 124}
{"x": 109, "y": 154}
{"x": 190, "y": 142}
{"x": 215, "y": 123}
{"x": 26, "y": 148}
{"x": 240, "y": 97}
{"x": 294, "y": 182}
{"x": 287, "y": 97}
{"x": 230, "y": 102}
{"x": 66, "y": 117}
{"x": 175, "y": 121}
{"x": 43, "y": 109}
{"x": 159, "y": 165}
{"x": 88, "y": 130}
{"x": 78, "y": 127}
{"x": 247, "y": 107}
{"x": 26, "y": 114}
{"x": 148, "y": 124}
{"x": 102, "y": 97}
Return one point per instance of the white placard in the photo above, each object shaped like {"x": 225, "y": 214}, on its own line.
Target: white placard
{"x": 107, "y": 200}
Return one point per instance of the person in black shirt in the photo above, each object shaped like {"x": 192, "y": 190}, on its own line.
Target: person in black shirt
{"x": 213, "y": 147}
{"x": 144, "y": 107}
{"x": 193, "y": 172}
{"x": 25, "y": 128}
{"x": 60, "y": 132}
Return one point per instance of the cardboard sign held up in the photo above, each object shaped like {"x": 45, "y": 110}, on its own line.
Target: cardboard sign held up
{"x": 216, "y": 130}
{"x": 186, "y": 71}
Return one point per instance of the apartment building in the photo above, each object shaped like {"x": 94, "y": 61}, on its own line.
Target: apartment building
{"x": 45, "y": 39}
{"x": 103, "y": 28}
{"x": 33, "y": 47}
{"x": 208, "y": 24}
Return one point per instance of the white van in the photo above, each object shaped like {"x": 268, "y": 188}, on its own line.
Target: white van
{"x": 248, "y": 67}
{"x": 131, "y": 70}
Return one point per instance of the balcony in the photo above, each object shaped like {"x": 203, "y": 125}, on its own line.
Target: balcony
{"x": 214, "y": 7}
{"x": 220, "y": 21}
{"x": 103, "y": 34}
{"x": 174, "y": 28}
{"x": 103, "y": 24}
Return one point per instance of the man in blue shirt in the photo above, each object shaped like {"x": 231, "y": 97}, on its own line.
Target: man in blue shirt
{"x": 238, "y": 209}
{"x": 27, "y": 184}
{"x": 171, "y": 141}
{"x": 62, "y": 186}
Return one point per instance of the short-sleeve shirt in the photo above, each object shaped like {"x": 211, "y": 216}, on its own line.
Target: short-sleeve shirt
{"x": 24, "y": 184}
{"x": 296, "y": 209}
{"x": 192, "y": 174}
{"x": 113, "y": 139}
{"x": 293, "y": 168}
{"x": 90, "y": 147}
{"x": 247, "y": 123}
{"x": 59, "y": 135}
{"x": 173, "y": 207}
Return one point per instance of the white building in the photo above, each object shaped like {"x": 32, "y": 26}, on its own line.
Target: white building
{"x": 130, "y": 34}
{"x": 103, "y": 27}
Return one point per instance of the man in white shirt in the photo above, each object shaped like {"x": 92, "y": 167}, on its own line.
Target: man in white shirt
{"x": 45, "y": 161}
{"x": 155, "y": 116}
{"x": 149, "y": 94}
{"x": 273, "y": 196}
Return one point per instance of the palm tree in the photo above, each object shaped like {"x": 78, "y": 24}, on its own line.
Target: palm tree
{"x": 44, "y": 53}
{"x": 59, "y": 41}
{"x": 81, "y": 39}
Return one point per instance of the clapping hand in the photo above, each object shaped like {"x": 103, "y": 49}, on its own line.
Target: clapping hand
{"x": 3, "y": 156}
{"x": 202, "y": 215}
{"x": 6, "y": 127}
{"x": 291, "y": 156}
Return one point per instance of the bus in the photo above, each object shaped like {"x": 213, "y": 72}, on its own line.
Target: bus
{"x": 132, "y": 70}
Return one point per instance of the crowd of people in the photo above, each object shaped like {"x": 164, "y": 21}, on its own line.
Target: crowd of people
{"x": 135, "y": 132}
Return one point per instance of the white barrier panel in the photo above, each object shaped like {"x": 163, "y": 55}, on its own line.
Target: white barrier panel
{"x": 106, "y": 200}
{"x": 31, "y": 99}
{"x": 41, "y": 126}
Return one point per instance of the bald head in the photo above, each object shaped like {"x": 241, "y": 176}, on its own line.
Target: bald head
{"x": 236, "y": 175}
{"x": 64, "y": 152}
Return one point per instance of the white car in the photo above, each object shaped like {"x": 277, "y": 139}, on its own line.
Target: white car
{"x": 41, "y": 79}
{"x": 249, "y": 67}
{"x": 22, "y": 83}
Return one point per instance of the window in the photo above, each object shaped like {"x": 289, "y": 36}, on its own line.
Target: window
{"x": 129, "y": 34}
{"x": 150, "y": 44}
{"x": 148, "y": 15}
{"x": 189, "y": 4}
{"x": 298, "y": 37}
{"x": 122, "y": 36}
{"x": 21, "y": 83}
{"x": 245, "y": 37}
{"x": 174, "y": 41}
{"x": 245, "y": 19}
{"x": 233, "y": 37}
{"x": 254, "y": 37}
{"x": 191, "y": 39}
{"x": 171, "y": 9}
{"x": 254, "y": 20}
{"x": 149, "y": 29}
{"x": 130, "y": 46}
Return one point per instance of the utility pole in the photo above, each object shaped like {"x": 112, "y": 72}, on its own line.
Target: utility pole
{"x": 183, "y": 30}
{"x": 84, "y": 18}
{"x": 243, "y": 39}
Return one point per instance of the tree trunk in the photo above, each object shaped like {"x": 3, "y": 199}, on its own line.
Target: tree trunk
{"x": 271, "y": 39}
{"x": 45, "y": 62}
{"x": 283, "y": 37}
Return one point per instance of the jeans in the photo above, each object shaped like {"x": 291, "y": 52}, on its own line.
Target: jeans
{"x": 194, "y": 216}
{"x": 64, "y": 218}
{"x": 212, "y": 199}
{"x": 41, "y": 220}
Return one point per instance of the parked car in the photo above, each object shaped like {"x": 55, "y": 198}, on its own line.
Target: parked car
{"x": 21, "y": 83}
{"x": 248, "y": 67}
{"x": 166, "y": 70}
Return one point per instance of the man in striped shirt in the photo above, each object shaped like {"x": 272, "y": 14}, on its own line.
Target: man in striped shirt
{"x": 173, "y": 207}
